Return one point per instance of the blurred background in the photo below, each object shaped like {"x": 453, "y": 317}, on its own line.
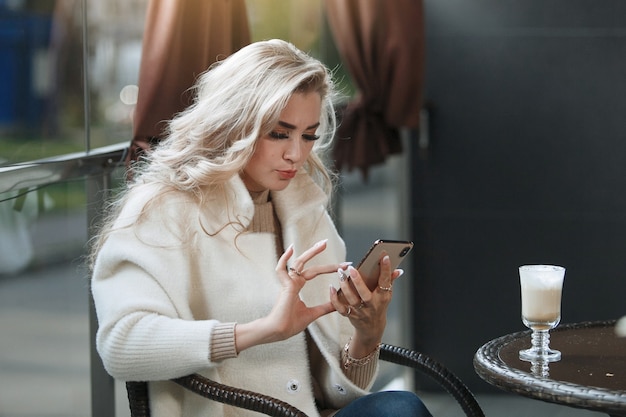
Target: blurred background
{"x": 517, "y": 158}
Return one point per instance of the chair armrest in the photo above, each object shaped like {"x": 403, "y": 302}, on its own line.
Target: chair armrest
{"x": 138, "y": 399}
{"x": 238, "y": 397}
{"x": 139, "y": 402}
{"x": 438, "y": 372}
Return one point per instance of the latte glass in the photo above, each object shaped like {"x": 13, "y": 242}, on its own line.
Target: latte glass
{"x": 541, "y": 288}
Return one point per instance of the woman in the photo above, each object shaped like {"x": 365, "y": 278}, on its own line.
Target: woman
{"x": 220, "y": 258}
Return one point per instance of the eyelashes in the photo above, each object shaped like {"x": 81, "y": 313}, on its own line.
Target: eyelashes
{"x": 285, "y": 135}
{"x": 311, "y": 137}
{"x": 279, "y": 135}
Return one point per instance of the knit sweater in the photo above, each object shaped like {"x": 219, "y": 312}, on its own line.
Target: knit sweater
{"x": 173, "y": 277}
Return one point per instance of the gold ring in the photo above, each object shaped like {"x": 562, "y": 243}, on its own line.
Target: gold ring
{"x": 385, "y": 288}
{"x": 298, "y": 273}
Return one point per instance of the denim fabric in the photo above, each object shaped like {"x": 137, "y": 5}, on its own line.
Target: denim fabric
{"x": 386, "y": 404}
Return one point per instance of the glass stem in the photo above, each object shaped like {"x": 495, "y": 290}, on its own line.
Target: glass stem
{"x": 540, "y": 340}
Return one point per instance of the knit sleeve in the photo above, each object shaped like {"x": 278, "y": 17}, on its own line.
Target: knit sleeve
{"x": 361, "y": 375}
{"x": 222, "y": 344}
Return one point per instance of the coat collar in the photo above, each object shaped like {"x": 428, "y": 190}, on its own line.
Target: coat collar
{"x": 301, "y": 197}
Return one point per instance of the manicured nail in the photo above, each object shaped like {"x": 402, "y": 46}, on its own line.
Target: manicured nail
{"x": 321, "y": 242}
{"x": 351, "y": 270}
{"x": 386, "y": 259}
{"x": 344, "y": 265}
{"x": 342, "y": 275}
{"x": 401, "y": 272}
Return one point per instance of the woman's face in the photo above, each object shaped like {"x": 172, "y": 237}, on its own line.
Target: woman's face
{"x": 283, "y": 151}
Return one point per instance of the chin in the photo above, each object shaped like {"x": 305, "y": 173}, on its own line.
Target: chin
{"x": 279, "y": 186}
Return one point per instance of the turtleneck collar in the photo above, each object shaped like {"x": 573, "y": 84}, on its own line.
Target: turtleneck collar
{"x": 260, "y": 197}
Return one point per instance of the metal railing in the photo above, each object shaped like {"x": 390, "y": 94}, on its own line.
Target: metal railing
{"x": 96, "y": 167}
{"x": 61, "y": 168}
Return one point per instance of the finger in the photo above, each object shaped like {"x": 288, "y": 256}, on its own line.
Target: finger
{"x": 321, "y": 310}
{"x": 281, "y": 266}
{"x": 361, "y": 289}
{"x": 335, "y": 296}
{"x": 338, "y": 299}
{"x": 341, "y": 297}
{"x": 396, "y": 274}
{"x": 384, "y": 279}
{"x": 349, "y": 287}
{"x": 314, "y": 271}
{"x": 340, "y": 304}
{"x": 308, "y": 254}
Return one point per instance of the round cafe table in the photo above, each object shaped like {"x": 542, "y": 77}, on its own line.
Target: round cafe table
{"x": 591, "y": 373}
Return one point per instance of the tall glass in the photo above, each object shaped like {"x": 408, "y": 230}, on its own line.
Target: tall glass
{"x": 541, "y": 288}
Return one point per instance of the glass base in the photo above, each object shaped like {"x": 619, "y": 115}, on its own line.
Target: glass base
{"x": 534, "y": 354}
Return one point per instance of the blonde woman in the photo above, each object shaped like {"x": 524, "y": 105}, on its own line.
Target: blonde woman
{"x": 220, "y": 257}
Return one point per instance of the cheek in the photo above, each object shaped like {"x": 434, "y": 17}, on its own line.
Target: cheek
{"x": 308, "y": 147}
{"x": 260, "y": 157}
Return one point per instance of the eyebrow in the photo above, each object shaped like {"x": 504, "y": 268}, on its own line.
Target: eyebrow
{"x": 290, "y": 126}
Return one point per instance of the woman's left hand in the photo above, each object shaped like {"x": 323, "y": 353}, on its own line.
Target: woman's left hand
{"x": 366, "y": 309}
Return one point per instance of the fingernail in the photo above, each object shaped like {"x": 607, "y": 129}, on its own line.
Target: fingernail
{"x": 386, "y": 259}
{"x": 344, "y": 265}
{"x": 351, "y": 270}
{"x": 401, "y": 272}
{"x": 342, "y": 275}
{"x": 321, "y": 242}
{"x": 333, "y": 290}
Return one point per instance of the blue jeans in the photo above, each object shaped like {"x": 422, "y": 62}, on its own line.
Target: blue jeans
{"x": 386, "y": 404}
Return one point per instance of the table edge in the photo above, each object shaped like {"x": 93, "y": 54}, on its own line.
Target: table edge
{"x": 486, "y": 361}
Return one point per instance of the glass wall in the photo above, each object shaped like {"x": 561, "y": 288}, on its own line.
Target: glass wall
{"x": 46, "y": 49}
{"x": 68, "y": 84}
{"x": 43, "y": 106}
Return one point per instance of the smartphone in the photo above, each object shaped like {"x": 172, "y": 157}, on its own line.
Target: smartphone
{"x": 369, "y": 267}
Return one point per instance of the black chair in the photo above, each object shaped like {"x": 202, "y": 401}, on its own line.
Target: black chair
{"x": 139, "y": 402}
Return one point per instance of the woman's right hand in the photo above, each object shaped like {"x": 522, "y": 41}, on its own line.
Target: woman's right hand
{"x": 290, "y": 315}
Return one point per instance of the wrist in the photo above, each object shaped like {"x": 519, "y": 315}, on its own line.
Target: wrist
{"x": 361, "y": 345}
{"x": 348, "y": 360}
{"x": 251, "y": 334}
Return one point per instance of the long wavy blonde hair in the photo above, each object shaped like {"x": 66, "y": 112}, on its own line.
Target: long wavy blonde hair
{"x": 236, "y": 101}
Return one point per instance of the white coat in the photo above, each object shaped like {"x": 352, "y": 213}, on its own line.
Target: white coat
{"x": 158, "y": 300}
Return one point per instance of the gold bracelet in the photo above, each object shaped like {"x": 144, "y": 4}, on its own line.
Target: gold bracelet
{"x": 350, "y": 361}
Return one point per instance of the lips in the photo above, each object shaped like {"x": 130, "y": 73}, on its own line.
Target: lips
{"x": 287, "y": 175}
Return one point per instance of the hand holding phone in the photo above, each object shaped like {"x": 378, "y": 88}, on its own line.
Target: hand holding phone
{"x": 369, "y": 267}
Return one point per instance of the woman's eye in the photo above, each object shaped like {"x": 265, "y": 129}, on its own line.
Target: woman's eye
{"x": 279, "y": 135}
{"x": 310, "y": 137}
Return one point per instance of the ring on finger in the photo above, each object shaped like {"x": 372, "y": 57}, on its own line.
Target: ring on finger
{"x": 295, "y": 271}
{"x": 349, "y": 311}
{"x": 360, "y": 306}
{"x": 387, "y": 289}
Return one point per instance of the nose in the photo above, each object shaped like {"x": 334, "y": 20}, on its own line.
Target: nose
{"x": 293, "y": 151}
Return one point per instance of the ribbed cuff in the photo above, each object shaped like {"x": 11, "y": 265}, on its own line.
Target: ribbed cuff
{"x": 361, "y": 375}
{"x": 223, "y": 342}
